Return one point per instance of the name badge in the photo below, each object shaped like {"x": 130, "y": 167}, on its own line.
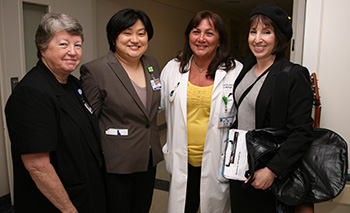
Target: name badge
{"x": 228, "y": 86}
{"x": 112, "y": 131}
{"x": 88, "y": 107}
{"x": 156, "y": 84}
{"x": 226, "y": 121}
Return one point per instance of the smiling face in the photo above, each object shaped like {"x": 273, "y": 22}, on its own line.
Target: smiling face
{"x": 262, "y": 41}
{"x": 132, "y": 42}
{"x": 204, "y": 40}
{"x": 63, "y": 54}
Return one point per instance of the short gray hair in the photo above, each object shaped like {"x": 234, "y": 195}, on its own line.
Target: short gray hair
{"x": 52, "y": 23}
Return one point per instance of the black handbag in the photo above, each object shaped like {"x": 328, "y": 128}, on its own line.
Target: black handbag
{"x": 319, "y": 176}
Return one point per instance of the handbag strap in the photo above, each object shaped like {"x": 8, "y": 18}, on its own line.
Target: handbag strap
{"x": 244, "y": 94}
{"x": 250, "y": 87}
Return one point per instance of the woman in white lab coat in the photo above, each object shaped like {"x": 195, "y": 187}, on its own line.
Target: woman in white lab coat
{"x": 196, "y": 95}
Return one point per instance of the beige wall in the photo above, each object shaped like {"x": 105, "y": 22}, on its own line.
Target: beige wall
{"x": 85, "y": 12}
{"x": 168, "y": 31}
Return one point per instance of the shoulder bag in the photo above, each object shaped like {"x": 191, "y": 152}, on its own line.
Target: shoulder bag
{"x": 320, "y": 175}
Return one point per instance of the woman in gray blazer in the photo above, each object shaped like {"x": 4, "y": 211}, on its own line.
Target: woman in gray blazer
{"x": 124, "y": 90}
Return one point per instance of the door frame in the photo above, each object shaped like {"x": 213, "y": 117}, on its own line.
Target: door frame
{"x": 298, "y": 25}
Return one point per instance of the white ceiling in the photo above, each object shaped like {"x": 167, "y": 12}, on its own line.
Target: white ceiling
{"x": 240, "y": 9}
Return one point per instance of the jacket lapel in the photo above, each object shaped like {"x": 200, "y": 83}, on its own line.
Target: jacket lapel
{"x": 265, "y": 94}
{"x": 182, "y": 89}
{"x": 149, "y": 88}
{"x": 219, "y": 76}
{"x": 266, "y": 91}
{"x": 65, "y": 103}
{"x": 123, "y": 77}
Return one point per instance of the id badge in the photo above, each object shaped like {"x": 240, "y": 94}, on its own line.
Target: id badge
{"x": 226, "y": 120}
{"x": 88, "y": 108}
{"x": 156, "y": 84}
{"x": 113, "y": 131}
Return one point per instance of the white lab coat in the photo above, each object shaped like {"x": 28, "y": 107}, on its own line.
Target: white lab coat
{"x": 214, "y": 191}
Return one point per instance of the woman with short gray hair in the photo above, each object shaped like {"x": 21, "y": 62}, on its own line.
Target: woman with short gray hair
{"x": 52, "y": 23}
{"x": 57, "y": 160}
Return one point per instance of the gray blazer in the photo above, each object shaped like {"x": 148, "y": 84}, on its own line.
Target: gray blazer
{"x": 128, "y": 129}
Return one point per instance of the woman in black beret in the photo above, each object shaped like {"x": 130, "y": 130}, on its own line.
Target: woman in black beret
{"x": 278, "y": 99}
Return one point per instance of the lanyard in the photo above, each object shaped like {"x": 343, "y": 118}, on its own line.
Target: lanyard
{"x": 88, "y": 107}
{"x": 155, "y": 82}
{"x": 224, "y": 98}
{"x": 150, "y": 71}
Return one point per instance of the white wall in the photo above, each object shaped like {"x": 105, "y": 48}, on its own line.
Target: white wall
{"x": 326, "y": 52}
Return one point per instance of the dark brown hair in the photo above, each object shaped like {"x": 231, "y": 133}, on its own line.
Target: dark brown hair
{"x": 281, "y": 39}
{"x": 222, "y": 56}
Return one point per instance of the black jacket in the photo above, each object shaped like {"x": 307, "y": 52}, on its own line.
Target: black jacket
{"x": 284, "y": 102}
{"x": 42, "y": 117}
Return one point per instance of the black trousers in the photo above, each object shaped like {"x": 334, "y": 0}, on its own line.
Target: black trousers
{"x": 193, "y": 189}
{"x": 131, "y": 193}
{"x": 251, "y": 200}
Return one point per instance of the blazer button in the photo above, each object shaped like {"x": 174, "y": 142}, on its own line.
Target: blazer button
{"x": 147, "y": 126}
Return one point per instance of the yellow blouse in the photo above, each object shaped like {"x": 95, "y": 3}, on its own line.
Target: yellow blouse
{"x": 198, "y": 113}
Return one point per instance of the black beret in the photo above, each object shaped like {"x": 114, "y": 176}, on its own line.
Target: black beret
{"x": 277, "y": 15}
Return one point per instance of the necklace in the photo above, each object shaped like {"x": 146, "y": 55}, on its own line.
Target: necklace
{"x": 200, "y": 70}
